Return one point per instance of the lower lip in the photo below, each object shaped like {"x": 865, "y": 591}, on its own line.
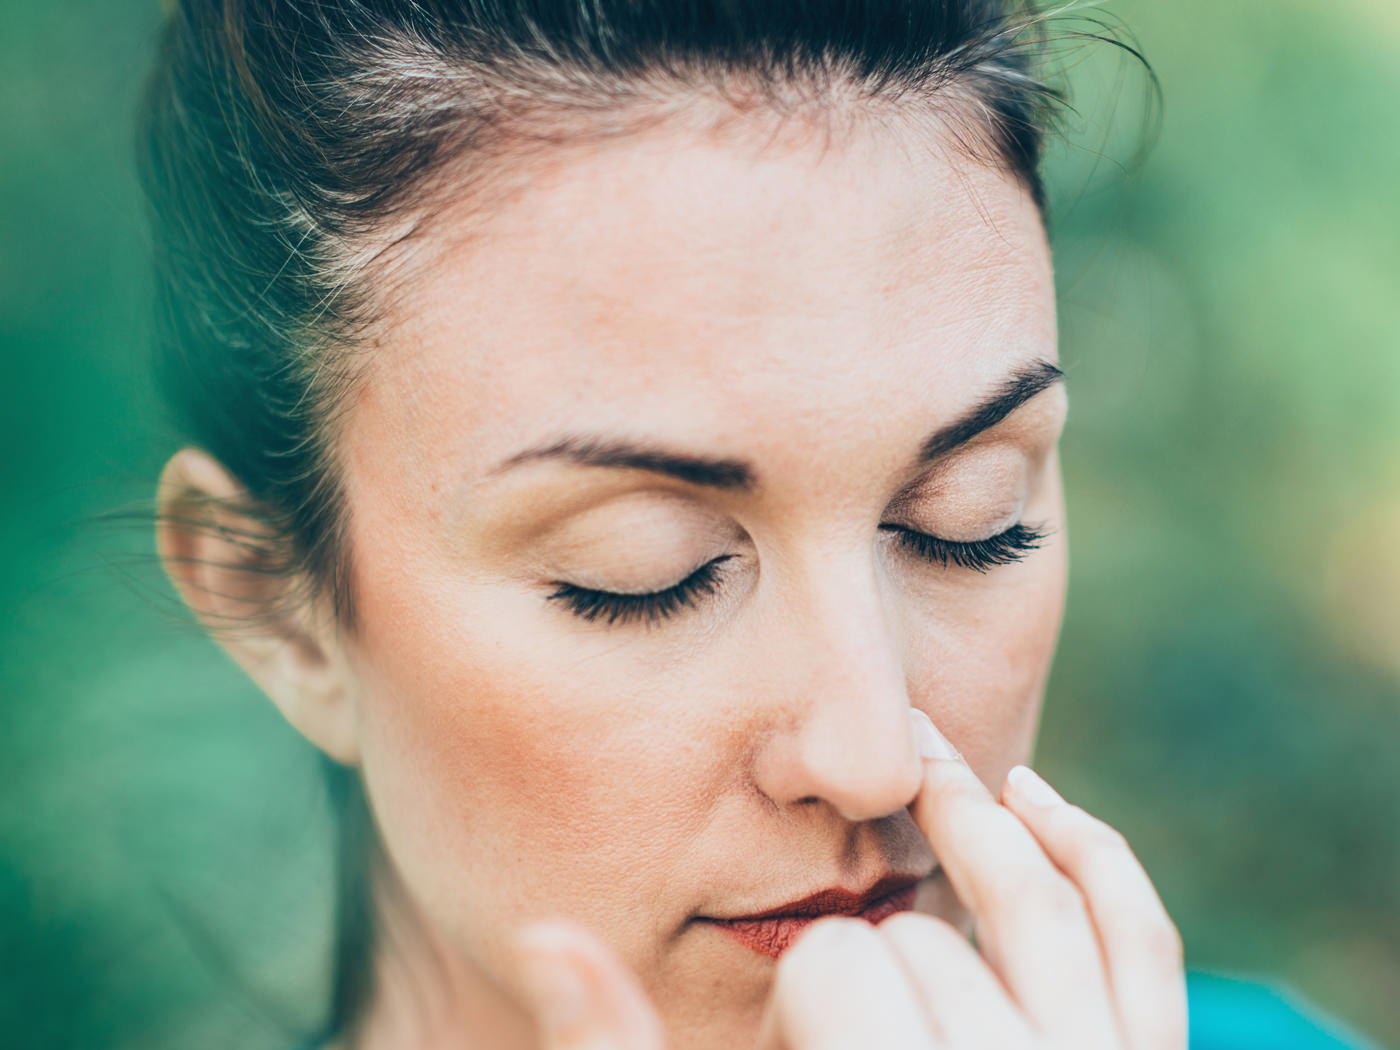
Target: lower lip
{"x": 772, "y": 937}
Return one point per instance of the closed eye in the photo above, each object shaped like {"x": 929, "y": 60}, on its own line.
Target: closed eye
{"x": 612, "y": 607}
{"x": 652, "y": 606}
{"x": 978, "y": 555}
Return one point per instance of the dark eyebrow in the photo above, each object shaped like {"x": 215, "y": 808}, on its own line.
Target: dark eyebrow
{"x": 1023, "y": 385}
{"x": 697, "y": 470}
{"x": 737, "y": 475}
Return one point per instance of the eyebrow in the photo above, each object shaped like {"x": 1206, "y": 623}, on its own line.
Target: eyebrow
{"x": 1022, "y": 385}
{"x": 737, "y": 475}
{"x": 627, "y": 455}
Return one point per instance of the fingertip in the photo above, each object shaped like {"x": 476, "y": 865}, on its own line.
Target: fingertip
{"x": 928, "y": 741}
{"x": 580, "y": 987}
{"x": 552, "y": 938}
{"x": 840, "y": 984}
{"x": 1025, "y": 785}
{"x": 546, "y": 957}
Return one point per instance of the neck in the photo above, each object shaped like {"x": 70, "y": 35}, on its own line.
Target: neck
{"x": 424, "y": 994}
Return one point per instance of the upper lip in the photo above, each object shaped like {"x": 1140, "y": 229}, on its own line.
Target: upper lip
{"x": 833, "y": 901}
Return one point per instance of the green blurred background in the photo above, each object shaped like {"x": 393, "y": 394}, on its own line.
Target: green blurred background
{"x": 1228, "y": 687}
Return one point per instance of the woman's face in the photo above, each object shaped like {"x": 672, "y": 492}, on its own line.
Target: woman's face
{"x": 746, "y": 382}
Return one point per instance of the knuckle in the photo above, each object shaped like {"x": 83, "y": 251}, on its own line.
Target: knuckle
{"x": 1162, "y": 940}
{"x": 1052, "y": 899}
{"x": 1106, "y": 836}
{"x": 1061, "y": 899}
{"x": 1102, "y": 843}
{"x": 1148, "y": 932}
{"x": 1009, "y": 883}
{"x": 1038, "y": 888}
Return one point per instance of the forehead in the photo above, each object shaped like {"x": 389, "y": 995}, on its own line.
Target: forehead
{"x": 714, "y": 293}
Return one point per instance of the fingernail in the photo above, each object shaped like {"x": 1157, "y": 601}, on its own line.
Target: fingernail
{"x": 928, "y": 741}
{"x": 556, "y": 988}
{"x": 1031, "y": 787}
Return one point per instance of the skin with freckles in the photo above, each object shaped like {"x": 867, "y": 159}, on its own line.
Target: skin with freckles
{"x": 812, "y": 311}
{"x": 808, "y": 311}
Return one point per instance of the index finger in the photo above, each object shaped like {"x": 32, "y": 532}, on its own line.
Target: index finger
{"x": 979, "y": 843}
{"x": 1033, "y": 926}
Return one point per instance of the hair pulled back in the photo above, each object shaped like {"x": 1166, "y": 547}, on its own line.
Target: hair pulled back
{"x": 286, "y": 148}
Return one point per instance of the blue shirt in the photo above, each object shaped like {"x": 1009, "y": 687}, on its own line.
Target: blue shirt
{"x": 1234, "y": 1013}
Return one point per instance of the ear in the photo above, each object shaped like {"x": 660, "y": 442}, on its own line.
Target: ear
{"x": 222, "y": 560}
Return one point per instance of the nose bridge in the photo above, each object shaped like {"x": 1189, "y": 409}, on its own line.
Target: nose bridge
{"x": 849, "y": 740}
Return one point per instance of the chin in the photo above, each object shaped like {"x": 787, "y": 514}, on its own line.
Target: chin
{"x": 715, "y": 1001}
{"x": 719, "y": 1026}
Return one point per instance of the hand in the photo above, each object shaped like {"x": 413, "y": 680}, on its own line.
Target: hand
{"x": 1075, "y": 948}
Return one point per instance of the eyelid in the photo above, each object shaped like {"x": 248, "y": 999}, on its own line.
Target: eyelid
{"x": 614, "y": 530}
{"x": 995, "y": 477}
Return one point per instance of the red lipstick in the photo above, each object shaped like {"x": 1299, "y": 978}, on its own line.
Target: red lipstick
{"x": 771, "y": 932}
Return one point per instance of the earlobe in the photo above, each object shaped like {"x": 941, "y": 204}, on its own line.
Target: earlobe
{"x": 227, "y": 564}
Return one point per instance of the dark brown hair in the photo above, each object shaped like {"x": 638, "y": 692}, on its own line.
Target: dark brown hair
{"x": 287, "y": 148}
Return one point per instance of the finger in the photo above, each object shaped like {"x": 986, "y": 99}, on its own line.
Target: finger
{"x": 839, "y": 986}
{"x": 1033, "y": 926}
{"x": 581, "y": 994}
{"x": 967, "y": 1002}
{"x": 1140, "y": 943}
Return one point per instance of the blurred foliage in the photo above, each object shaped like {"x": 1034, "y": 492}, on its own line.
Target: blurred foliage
{"x": 1228, "y": 688}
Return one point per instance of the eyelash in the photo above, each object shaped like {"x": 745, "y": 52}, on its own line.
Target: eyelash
{"x": 653, "y": 607}
{"x": 978, "y": 555}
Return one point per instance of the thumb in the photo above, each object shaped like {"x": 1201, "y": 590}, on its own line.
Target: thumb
{"x": 582, "y": 996}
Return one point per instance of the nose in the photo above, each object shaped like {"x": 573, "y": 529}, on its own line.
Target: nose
{"x": 836, "y": 668}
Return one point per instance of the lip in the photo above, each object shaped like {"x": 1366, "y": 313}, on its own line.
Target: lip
{"x": 773, "y": 931}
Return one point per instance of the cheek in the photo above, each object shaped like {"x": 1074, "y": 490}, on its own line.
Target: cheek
{"x": 981, "y": 663}
{"x": 493, "y": 764}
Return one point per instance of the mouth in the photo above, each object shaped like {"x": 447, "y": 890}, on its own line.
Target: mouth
{"x": 772, "y": 932}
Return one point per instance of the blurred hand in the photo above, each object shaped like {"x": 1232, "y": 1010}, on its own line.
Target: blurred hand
{"x": 1075, "y": 949}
